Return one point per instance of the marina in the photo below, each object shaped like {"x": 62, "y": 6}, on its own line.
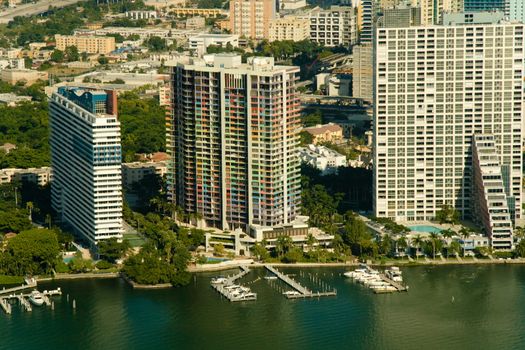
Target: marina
{"x": 388, "y": 282}
{"x": 27, "y": 300}
{"x": 300, "y": 291}
{"x": 233, "y": 292}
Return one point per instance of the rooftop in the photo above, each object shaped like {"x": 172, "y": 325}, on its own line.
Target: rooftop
{"x": 322, "y": 129}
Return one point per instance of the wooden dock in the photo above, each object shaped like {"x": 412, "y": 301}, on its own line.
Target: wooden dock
{"x": 303, "y": 291}
{"x": 5, "y": 306}
{"x": 229, "y": 294}
{"x": 30, "y": 283}
{"x": 396, "y": 285}
{"x": 23, "y": 300}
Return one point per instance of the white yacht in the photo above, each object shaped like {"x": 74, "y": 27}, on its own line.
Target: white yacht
{"x": 36, "y": 298}
{"x": 233, "y": 286}
{"x": 219, "y": 280}
{"x": 291, "y": 292}
{"x": 394, "y": 273}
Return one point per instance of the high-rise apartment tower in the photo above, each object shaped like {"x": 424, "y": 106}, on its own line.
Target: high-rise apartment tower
{"x": 233, "y": 133}
{"x": 86, "y": 190}
{"x": 436, "y": 88}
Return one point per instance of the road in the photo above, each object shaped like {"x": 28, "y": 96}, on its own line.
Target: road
{"x": 32, "y": 9}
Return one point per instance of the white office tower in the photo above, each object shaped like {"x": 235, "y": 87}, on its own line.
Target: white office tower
{"x": 86, "y": 190}
{"x": 435, "y": 88}
{"x": 490, "y": 187}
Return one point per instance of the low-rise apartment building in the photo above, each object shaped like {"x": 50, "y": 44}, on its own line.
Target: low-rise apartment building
{"x": 89, "y": 44}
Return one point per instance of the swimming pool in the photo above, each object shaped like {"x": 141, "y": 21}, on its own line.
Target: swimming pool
{"x": 425, "y": 228}
{"x": 215, "y": 260}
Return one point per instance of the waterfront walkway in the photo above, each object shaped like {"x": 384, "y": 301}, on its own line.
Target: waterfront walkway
{"x": 29, "y": 283}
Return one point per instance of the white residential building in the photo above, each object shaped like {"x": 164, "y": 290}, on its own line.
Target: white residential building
{"x": 201, "y": 42}
{"x": 142, "y": 14}
{"x": 490, "y": 187}
{"x": 436, "y": 88}
{"x": 40, "y": 176}
{"x": 323, "y": 158}
{"x": 334, "y": 26}
{"x": 289, "y": 28}
{"x": 135, "y": 172}
{"x": 86, "y": 190}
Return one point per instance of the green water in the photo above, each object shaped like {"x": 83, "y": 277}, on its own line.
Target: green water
{"x": 487, "y": 313}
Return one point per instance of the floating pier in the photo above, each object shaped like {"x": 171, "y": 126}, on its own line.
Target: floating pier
{"x": 23, "y": 300}
{"x": 302, "y": 292}
{"x": 235, "y": 294}
{"x": 396, "y": 285}
{"x": 29, "y": 283}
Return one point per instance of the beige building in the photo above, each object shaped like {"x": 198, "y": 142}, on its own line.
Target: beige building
{"x": 90, "y": 44}
{"x": 363, "y": 72}
{"x": 289, "y": 28}
{"x": 196, "y": 22}
{"x": 134, "y": 172}
{"x": 13, "y": 76}
{"x": 325, "y": 133}
{"x": 190, "y": 12}
{"x": 251, "y": 18}
{"x": 39, "y": 176}
{"x": 431, "y": 10}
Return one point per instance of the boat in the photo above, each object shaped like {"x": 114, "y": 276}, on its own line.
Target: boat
{"x": 270, "y": 277}
{"x": 354, "y": 274}
{"x": 36, "y": 298}
{"x": 233, "y": 286}
{"x": 394, "y": 273}
{"x": 219, "y": 280}
{"x": 291, "y": 292}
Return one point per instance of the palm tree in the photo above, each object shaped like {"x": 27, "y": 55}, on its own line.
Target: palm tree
{"x": 433, "y": 240}
{"x": 283, "y": 244}
{"x": 454, "y": 248}
{"x": 448, "y": 233}
{"x": 310, "y": 241}
{"x": 417, "y": 242}
{"x": 401, "y": 243}
{"x": 465, "y": 232}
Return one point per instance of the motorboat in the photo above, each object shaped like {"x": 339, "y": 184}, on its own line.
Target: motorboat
{"x": 36, "y": 298}
{"x": 233, "y": 286}
{"x": 219, "y": 280}
{"x": 270, "y": 277}
{"x": 394, "y": 273}
{"x": 291, "y": 292}
{"x": 354, "y": 274}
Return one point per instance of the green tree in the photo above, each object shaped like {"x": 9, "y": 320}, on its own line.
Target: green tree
{"x": 103, "y": 60}
{"x": 401, "y": 243}
{"x": 454, "y": 248}
{"x": 111, "y": 249}
{"x": 218, "y": 249}
{"x": 156, "y": 43}
{"x": 283, "y": 244}
{"x": 520, "y": 249}
{"x": 72, "y": 54}
{"x": 417, "y": 242}
{"x": 260, "y": 252}
{"x": 57, "y": 56}
{"x": 32, "y": 252}
{"x": 357, "y": 235}
{"x": 293, "y": 255}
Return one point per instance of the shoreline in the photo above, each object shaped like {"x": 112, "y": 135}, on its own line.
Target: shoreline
{"x": 404, "y": 263}
{"x": 76, "y": 276}
{"x": 230, "y": 266}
